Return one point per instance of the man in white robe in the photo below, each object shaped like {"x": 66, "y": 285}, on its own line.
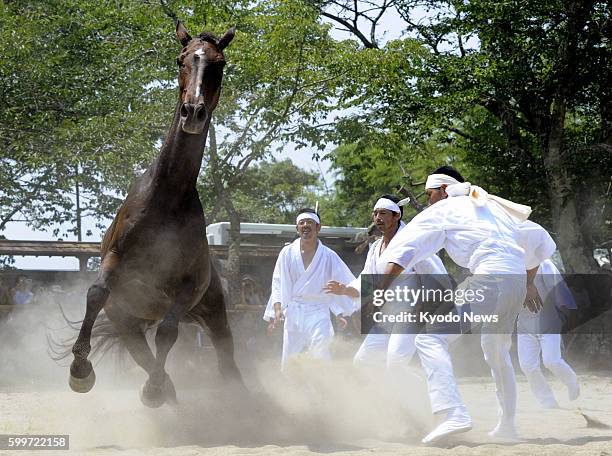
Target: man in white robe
{"x": 540, "y": 333}
{"x": 395, "y": 347}
{"x": 298, "y": 297}
{"x": 479, "y": 232}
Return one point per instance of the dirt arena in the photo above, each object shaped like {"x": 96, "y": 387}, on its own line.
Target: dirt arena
{"x": 319, "y": 408}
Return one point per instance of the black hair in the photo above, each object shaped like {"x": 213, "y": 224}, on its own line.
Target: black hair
{"x": 396, "y": 200}
{"x": 19, "y": 277}
{"x": 308, "y": 210}
{"x": 449, "y": 171}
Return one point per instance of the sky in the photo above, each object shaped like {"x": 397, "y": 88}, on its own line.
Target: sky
{"x": 389, "y": 28}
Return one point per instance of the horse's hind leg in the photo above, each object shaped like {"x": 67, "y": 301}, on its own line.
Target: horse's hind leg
{"x": 158, "y": 388}
{"x": 82, "y": 375}
{"x": 131, "y": 331}
{"x": 213, "y": 312}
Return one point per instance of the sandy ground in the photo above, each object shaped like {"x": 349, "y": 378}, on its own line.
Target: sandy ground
{"x": 105, "y": 422}
{"x": 319, "y": 408}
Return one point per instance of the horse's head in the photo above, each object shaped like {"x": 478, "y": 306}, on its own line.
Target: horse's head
{"x": 200, "y": 72}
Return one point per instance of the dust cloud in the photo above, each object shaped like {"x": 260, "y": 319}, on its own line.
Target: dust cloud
{"x": 314, "y": 403}
{"x": 315, "y": 407}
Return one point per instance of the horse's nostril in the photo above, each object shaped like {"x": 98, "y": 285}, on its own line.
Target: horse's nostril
{"x": 184, "y": 110}
{"x": 201, "y": 113}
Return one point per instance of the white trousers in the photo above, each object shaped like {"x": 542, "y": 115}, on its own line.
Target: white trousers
{"x": 503, "y": 298}
{"x": 315, "y": 338}
{"x": 391, "y": 349}
{"x": 436, "y": 361}
{"x": 529, "y": 348}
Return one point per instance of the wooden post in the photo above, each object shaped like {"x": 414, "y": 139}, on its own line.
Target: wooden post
{"x": 83, "y": 263}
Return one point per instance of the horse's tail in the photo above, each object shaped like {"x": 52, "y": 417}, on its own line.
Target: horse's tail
{"x": 104, "y": 338}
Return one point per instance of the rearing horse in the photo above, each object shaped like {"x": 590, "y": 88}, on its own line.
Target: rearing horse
{"x": 156, "y": 266}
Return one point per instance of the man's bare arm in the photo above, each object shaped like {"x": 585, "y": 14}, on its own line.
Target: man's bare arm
{"x": 533, "y": 302}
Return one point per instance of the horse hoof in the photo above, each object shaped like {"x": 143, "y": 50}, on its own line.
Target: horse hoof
{"x": 154, "y": 396}
{"x": 82, "y": 385}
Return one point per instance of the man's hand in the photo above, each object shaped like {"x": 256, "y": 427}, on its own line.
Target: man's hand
{"x": 278, "y": 318}
{"x": 337, "y": 288}
{"x": 334, "y": 287}
{"x": 341, "y": 322}
{"x": 533, "y": 302}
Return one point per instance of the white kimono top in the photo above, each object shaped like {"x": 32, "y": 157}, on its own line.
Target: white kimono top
{"x": 301, "y": 291}
{"x": 431, "y": 265}
{"x": 536, "y": 242}
{"x": 481, "y": 238}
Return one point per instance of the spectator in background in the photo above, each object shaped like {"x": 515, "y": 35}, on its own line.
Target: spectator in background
{"x": 252, "y": 294}
{"x": 22, "y": 293}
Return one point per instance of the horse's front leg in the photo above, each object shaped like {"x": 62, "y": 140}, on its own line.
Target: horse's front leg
{"x": 159, "y": 388}
{"x": 82, "y": 375}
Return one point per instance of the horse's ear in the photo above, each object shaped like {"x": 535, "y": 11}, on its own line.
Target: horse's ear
{"x": 226, "y": 39}
{"x": 182, "y": 34}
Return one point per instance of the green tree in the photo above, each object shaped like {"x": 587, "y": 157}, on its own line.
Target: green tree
{"x": 80, "y": 107}
{"x": 269, "y": 192}
{"x": 372, "y": 163}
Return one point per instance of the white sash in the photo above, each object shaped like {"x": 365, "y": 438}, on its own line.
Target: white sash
{"x": 479, "y": 197}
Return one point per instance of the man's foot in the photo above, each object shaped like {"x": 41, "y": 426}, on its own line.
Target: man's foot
{"x": 457, "y": 420}
{"x": 505, "y": 431}
{"x": 573, "y": 391}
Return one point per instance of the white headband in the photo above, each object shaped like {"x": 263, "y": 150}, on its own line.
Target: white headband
{"x": 384, "y": 203}
{"x": 308, "y": 215}
{"x": 436, "y": 181}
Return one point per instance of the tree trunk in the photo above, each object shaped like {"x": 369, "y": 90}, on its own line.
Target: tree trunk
{"x": 77, "y": 190}
{"x": 232, "y": 266}
{"x": 233, "y": 257}
{"x": 575, "y": 252}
